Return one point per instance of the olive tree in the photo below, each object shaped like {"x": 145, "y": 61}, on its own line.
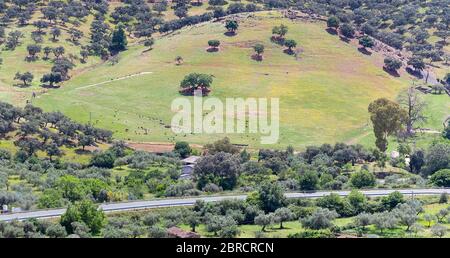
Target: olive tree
{"x": 283, "y": 214}
{"x": 319, "y": 219}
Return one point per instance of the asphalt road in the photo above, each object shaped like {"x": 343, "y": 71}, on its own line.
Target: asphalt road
{"x": 137, "y": 205}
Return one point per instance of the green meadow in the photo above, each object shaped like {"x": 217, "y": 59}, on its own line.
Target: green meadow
{"x": 324, "y": 92}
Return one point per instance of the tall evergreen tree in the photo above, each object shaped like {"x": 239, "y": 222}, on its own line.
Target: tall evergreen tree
{"x": 119, "y": 39}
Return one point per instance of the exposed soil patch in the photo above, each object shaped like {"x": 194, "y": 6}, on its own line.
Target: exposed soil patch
{"x": 156, "y": 147}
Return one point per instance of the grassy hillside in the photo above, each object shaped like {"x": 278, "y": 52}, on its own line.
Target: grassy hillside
{"x": 323, "y": 95}
{"x": 14, "y": 61}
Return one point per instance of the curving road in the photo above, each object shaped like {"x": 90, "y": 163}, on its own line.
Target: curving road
{"x": 137, "y": 205}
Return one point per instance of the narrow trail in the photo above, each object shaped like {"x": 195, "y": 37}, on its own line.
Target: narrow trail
{"x": 356, "y": 139}
{"x": 427, "y": 130}
{"x": 113, "y": 80}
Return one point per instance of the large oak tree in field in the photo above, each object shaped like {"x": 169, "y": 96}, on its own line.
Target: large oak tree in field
{"x": 196, "y": 81}
{"x": 387, "y": 118}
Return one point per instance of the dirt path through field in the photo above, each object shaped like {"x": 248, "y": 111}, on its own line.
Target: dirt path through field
{"x": 113, "y": 80}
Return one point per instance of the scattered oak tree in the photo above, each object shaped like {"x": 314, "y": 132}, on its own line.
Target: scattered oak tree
{"x": 26, "y": 78}
{"x": 231, "y": 26}
{"x": 196, "y": 81}
{"x": 259, "y": 49}
{"x": 392, "y": 64}
{"x": 213, "y": 45}
{"x": 333, "y": 22}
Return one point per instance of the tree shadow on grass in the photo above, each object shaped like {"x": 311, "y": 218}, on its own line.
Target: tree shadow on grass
{"x": 390, "y": 72}
{"x": 444, "y": 43}
{"x": 147, "y": 50}
{"x": 288, "y": 51}
{"x": 345, "y": 39}
{"x": 30, "y": 59}
{"x": 21, "y": 85}
{"x": 277, "y": 40}
{"x": 230, "y": 33}
{"x": 212, "y": 49}
{"x": 48, "y": 86}
{"x": 414, "y": 73}
{"x": 364, "y": 51}
{"x": 257, "y": 57}
{"x": 331, "y": 31}
{"x": 81, "y": 151}
{"x": 75, "y": 43}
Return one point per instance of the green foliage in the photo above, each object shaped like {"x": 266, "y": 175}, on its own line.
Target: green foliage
{"x": 446, "y": 132}
{"x": 309, "y": 180}
{"x": 333, "y": 22}
{"x": 183, "y": 149}
{"x": 72, "y": 188}
{"x": 221, "y": 169}
{"x": 347, "y": 30}
{"x": 26, "y": 78}
{"x": 119, "y": 40}
{"x": 392, "y": 64}
{"x": 387, "y": 118}
{"x": 325, "y": 233}
{"x": 443, "y": 198}
{"x": 51, "y": 198}
{"x": 85, "y": 212}
{"x": 335, "y": 203}
{"x": 259, "y": 48}
{"x": 56, "y": 231}
{"x": 231, "y": 26}
{"x": 437, "y": 158}
{"x": 283, "y": 214}
{"x": 358, "y": 201}
{"x": 214, "y": 43}
{"x": 5, "y": 154}
{"x": 222, "y": 226}
{"x": 103, "y": 160}
{"x": 406, "y": 214}
{"x": 441, "y": 178}
{"x": 271, "y": 197}
{"x": 281, "y": 30}
{"x": 363, "y": 179}
{"x": 290, "y": 44}
{"x": 366, "y": 42}
{"x": 194, "y": 81}
{"x": 263, "y": 220}
{"x": 320, "y": 219}
{"x": 416, "y": 62}
{"x": 223, "y": 145}
{"x": 392, "y": 200}
{"x": 439, "y": 230}
{"x": 52, "y": 78}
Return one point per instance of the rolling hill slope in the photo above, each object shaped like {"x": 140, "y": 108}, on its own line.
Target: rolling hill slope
{"x": 323, "y": 94}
